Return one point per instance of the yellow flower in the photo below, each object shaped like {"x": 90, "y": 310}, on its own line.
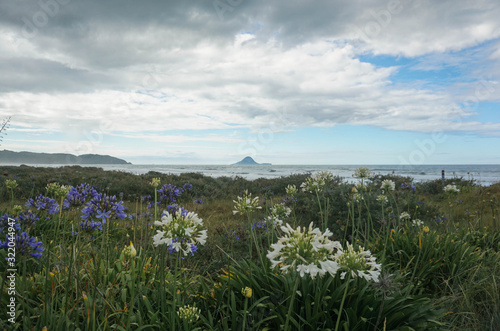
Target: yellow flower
{"x": 247, "y": 292}
{"x": 425, "y": 228}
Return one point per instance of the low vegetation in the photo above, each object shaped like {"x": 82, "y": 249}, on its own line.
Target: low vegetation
{"x": 101, "y": 250}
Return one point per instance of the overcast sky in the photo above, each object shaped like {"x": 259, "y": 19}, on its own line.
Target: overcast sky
{"x": 284, "y": 81}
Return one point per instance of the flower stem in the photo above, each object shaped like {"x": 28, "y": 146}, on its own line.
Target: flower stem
{"x": 290, "y": 306}
{"x": 342, "y": 303}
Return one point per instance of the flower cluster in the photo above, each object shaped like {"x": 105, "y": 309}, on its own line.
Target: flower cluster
{"x": 382, "y": 199}
{"x": 89, "y": 226}
{"x": 182, "y": 231}
{"x": 408, "y": 187}
{"x": 317, "y": 182}
{"x": 278, "y": 213}
{"x": 291, "y": 190}
{"x": 309, "y": 251}
{"x": 417, "y": 222}
{"x": 362, "y": 173}
{"x": 58, "y": 191}
{"x": 451, "y": 189}
{"x": 155, "y": 182}
{"x": 103, "y": 207}
{"x": 168, "y": 195}
{"x": 27, "y": 218}
{"x": 358, "y": 263}
{"x": 404, "y": 216}
{"x": 246, "y": 204}
{"x": 11, "y": 183}
{"x": 26, "y": 245}
{"x": 78, "y": 195}
{"x": 387, "y": 185}
{"x": 189, "y": 313}
{"x": 306, "y": 251}
{"x": 4, "y": 220}
{"x": 43, "y": 203}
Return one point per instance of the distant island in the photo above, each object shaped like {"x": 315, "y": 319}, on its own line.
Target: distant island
{"x": 249, "y": 161}
{"x": 9, "y": 157}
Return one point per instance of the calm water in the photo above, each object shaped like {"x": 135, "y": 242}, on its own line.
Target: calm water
{"x": 483, "y": 174}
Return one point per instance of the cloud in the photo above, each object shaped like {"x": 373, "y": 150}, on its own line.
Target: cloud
{"x": 157, "y": 66}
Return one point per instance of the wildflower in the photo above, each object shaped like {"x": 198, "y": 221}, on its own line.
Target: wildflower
{"x": 77, "y": 196}
{"x": 247, "y": 292}
{"x": 387, "y": 185}
{"x": 103, "y": 207}
{"x": 425, "y": 228}
{"x": 43, "y": 203}
{"x": 357, "y": 197}
{"x": 278, "y": 213}
{"x": 451, "y": 189}
{"x": 181, "y": 231}
{"x": 17, "y": 209}
{"x": 358, "y": 263}
{"x": 417, "y": 222}
{"x": 90, "y": 226}
{"x": 129, "y": 251}
{"x": 305, "y": 250}
{"x": 189, "y": 313}
{"x": 25, "y": 245}
{"x": 317, "y": 182}
{"x": 382, "y": 199}
{"x": 199, "y": 201}
{"x": 246, "y": 204}
{"x": 291, "y": 190}
{"x": 155, "y": 182}
{"x": 11, "y": 183}
{"x": 404, "y": 216}
{"x": 362, "y": 173}
{"x": 408, "y": 186}
{"x": 354, "y": 189}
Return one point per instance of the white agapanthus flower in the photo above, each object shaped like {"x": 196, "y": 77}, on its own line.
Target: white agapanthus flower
{"x": 358, "y": 263}
{"x": 278, "y": 214}
{"x": 306, "y": 251}
{"x": 181, "y": 230}
{"x": 291, "y": 190}
{"x": 417, "y": 222}
{"x": 451, "y": 189}
{"x": 404, "y": 216}
{"x": 317, "y": 182}
{"x": 387, "y": 185}
{"x": 382, "y": 199}
{"x": 362, "y": 173}
{"x": 246, "y": 204}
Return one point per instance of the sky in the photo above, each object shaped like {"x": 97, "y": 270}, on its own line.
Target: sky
{"x": 283, "y": 81}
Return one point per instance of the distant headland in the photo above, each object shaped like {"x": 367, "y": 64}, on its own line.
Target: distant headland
{"x": 249, "y": 161}
{"x": 9, "y": 157}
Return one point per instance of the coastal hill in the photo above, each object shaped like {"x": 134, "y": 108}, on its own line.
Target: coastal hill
{"x": 9, "y": 157}
{"x": 249, "y": 161}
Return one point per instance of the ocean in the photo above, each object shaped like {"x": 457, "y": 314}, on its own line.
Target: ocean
{"x": 482, "y": 174}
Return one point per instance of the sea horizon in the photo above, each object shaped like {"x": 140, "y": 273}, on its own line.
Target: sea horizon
{"x": 483, "y": 174}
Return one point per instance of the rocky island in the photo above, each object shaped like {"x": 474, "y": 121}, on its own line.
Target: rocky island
{"x": 249, "y": 161}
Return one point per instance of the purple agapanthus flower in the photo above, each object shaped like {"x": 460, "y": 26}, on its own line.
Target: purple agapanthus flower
{"x": 104, "y": 207}
{"x": 89, "y": 226}
{"x": 77, "y": 195}
{"x": 4, "y": 220}
{"x": 43, "y": 203}
{"x": 25, "y": 245}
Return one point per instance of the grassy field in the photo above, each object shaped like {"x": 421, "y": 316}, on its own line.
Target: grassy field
{"x": 386, "y": 254}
